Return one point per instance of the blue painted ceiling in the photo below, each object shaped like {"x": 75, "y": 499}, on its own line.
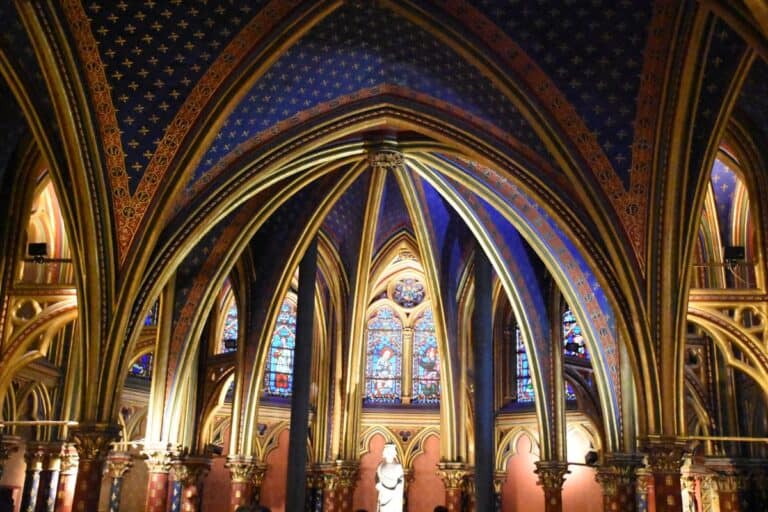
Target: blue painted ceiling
{"x": 154, "y": 53}
{"x": 593, "y": 51}
{"x": 361, "y": 46}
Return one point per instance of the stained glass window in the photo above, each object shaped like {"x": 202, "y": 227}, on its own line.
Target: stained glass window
{"x": 383, "y": 370}
{"x": 142, "y": 367}
{"x": 409, "y": 292}
{"x": 570, "y": 394}
{"x": 229, "y": 333}
{"x": 279, "y": 374}
{"x": 426, "y": 361}
{"x": 151, "y": 319}
{"x": 573, "y": 341}
{"x": 524, "y": 382}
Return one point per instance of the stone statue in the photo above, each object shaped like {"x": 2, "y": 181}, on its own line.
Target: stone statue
{"x": 389, "y": 481}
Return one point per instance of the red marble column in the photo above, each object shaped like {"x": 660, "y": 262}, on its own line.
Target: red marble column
{"x": 247, "y": 474}
{"x": 330, "y": 486}
{"x": 726, "y": 480}
{"x": 347, "y": 480}
{"x": 65, "y": 492}
{"x": 551, "y": 478}
{"x": 454, "y": 476}
{"x": 191, "y": 471}
{"x": 665, "y": 460}
{"x": 92, "y": 442}
{"x": 159, "y": 466}
{"x": 617, "y": 479}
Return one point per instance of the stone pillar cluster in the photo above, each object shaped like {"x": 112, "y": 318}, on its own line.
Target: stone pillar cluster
{"x": 93, "y": 443}
{"x": 617, "y": 477}
{"x": 190, "y": 471}
{"x": 159, "y": 466}
{"x": 247, "y": 474}
{"x": 665, "y": 459}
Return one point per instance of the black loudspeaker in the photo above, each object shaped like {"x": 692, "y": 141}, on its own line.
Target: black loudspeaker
{"x": 38, "y": 249}
{"x": 733, "y": 253}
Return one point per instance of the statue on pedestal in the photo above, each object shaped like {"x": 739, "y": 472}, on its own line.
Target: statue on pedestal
{"x": 390, "y": 481}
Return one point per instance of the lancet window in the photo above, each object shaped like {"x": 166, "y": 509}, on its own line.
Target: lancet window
{"x": 279, "y": 371}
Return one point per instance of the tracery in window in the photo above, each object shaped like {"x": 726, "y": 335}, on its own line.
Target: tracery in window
{"x": 230, "y": 329}
{"x": 142, "y": 367}
{"x": 524, "y": 382}
{"x": 279, "y": 372}
{"x": 574, "y": 344}
{"x": 426, "y": 362}
{"x": 384, "y": 357}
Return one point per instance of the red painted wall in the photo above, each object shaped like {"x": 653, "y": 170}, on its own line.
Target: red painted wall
{"x": 365, "y": 491}
{"x": 426, "y": 491}
{"x": 273, "y": 486}
{"x": 581, "y": 492}
{"x": 520, "y": 492}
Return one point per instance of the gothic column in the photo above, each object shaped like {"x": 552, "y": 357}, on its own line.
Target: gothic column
{"x": 298, "y": 434}
{"x": 244, "y": 472}
{"x": 159, "y": 466}
{"x": 347, "y": 471}
{"x": 49, "y": 477}
{"x": 314, "y": 480}
{"x": 726, "y": 480}
{"x": 551, "y": 478}
{"x": 118, "y": 464}
{"x": 65, "y": 492}
{"x": 665, "y": 458}
{"x": 482, "y": 334}
{"x": 617, "y": 479}
{"x": 499, "y": 477}
{"x": 34, "y": 456}
{"x": 330, "y": 481}
{"x": 453, "y": 475}
{"x": 92, "y": 442}
{"x": 643, "y": 489}
{"x": 190, "y": 472}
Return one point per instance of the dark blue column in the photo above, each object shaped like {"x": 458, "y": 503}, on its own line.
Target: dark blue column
{"x": 482, "y": 334}
{"x": 302, "y": 370}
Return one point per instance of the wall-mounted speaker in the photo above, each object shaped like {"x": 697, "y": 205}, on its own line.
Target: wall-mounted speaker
{"x": 37, "y": 249}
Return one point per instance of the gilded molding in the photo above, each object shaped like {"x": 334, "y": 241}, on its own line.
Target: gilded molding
{"x": 191, "y": 470}
{"x": 118, "y": 464}
{"x": 93, "y": 441}
{"x": 453, "y": 475}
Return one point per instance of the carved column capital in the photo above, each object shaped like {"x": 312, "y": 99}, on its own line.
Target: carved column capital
{"x": 453, "y": 474}
{"x": 618, "y": 472}
{"x": 159, "y": 459}
{"x": 191, "y": 470}
{"x": 118, "y": 463}
{"x": 347, "y": 471}
{"x": 499, "y": 477}
{"x": 69, "y": 459}
{"x": 34, "y": 455}
{"x": 551, "y": 474}
{"x": 246, "y": 469}
{"x": 665, "y": 456}
{"x": 93, "y": 440}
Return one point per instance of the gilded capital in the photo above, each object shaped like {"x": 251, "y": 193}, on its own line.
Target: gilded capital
{"x": 93, "y": 440}
{"x": 118, "y": 463}
{"x": 453, "y": 474}
{"x": 347, "y": 471}
{"x": 551, "y": 474}
{"x": 159, "y": 460}
{"x": 191, "y": 470}
{"x": 666, "y": 457}
{"x": 246, "y": 470}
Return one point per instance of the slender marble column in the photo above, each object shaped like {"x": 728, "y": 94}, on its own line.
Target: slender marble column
{"x": 482, "y": 332}
{"x": 247, "y": 474}
{"x": 159, "y": 466}
{"x": 453, "y": 475}
{"x": 65, "y": 493}
{"x": 118, "y": 464}
{"x": 190, "y": 472}
{"x": 643, "y": 489}
{"x": 617, "y": 479}
{"x": 92, "y": 442}
{"x": 665, "y": 458}
{"x": 302, "y": 376}
{"x": 49, "y": 477}
{"x": 551, "y": 478}
{"x": 34, "y": 456}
